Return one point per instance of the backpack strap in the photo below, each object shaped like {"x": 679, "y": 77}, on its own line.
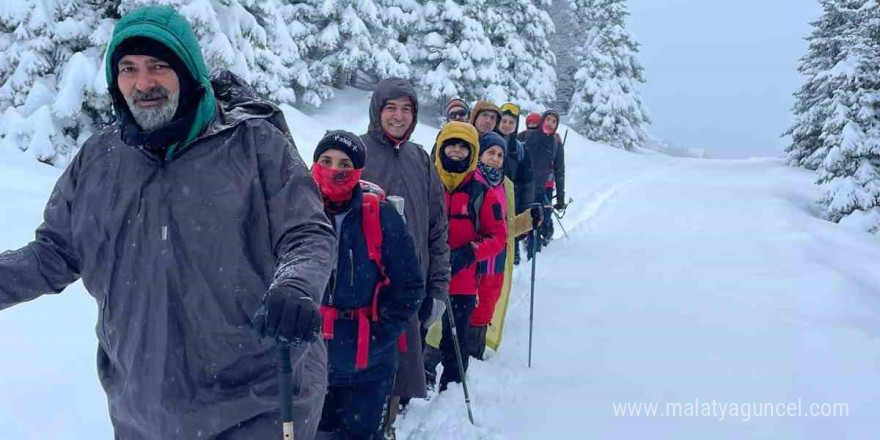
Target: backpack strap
{"x": 373, "y": 236}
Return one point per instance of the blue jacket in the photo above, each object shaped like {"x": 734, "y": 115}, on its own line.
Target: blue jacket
{"x": 352, "y": 287}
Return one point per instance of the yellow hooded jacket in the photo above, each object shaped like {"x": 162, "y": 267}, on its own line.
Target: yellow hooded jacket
{"x": 465, "y": 132}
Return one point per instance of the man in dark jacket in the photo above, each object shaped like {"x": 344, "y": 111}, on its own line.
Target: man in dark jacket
{"x": 185, "y": 220}
{"x": 548, "y": 164}
{"x": 403, "y": 168}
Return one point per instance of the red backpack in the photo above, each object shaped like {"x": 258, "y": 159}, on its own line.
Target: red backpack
{"x": 372, "y": 229}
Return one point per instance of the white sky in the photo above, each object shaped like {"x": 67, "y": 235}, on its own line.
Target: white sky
{"x": 720, "y": 74}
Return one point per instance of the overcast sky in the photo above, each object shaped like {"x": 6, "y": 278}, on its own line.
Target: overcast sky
{"x": 720, "y": 74}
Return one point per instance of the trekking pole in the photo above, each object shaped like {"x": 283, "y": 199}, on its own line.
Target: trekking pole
{"x": 559, "y": 220}
{"x": 467, "y": 398}
{"x": 285, "y": 385}
{"x": 532, "y": 297}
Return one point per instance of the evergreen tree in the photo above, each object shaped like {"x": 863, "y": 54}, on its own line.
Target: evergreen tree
{"x": 849, "y": 174}
{"x": 343, "y": 41}
{"x": 451, "y": 53}
{"x": 520, "y": 33}
{"x": 606, "y": 106}
{"x": 829, "y": 42}
{"x": 391, "y": 56}
{"x": 51, "y": 88}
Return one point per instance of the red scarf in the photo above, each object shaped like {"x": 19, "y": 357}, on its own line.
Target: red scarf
{"x": 336, "y": 186}
{"x": 546, "y": 128}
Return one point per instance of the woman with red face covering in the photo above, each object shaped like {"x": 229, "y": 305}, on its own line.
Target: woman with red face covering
{"x": 376, "y": 288}
{"x": 548, "y": 165}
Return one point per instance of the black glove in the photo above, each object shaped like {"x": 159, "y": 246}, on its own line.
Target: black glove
{"x": 560, "y": 203}
{"x": 537, "y": 215}
{"x": 288, "y": 315}
{"x": 461, "y": 258}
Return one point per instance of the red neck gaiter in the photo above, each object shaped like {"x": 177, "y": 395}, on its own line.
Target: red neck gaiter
{"x": 336, "y": 186}
{"x": 546, "y": 128}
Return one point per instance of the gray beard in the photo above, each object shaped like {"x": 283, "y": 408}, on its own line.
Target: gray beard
{"x": 151, "y": 118}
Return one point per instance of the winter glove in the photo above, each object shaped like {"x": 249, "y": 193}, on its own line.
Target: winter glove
{"x": 431, "y": 311}
{"x": 288, "y": 315}
{"x": 537, "y": 215}
{"x": 461, "y": 258}
{"x": 560, "y": 204}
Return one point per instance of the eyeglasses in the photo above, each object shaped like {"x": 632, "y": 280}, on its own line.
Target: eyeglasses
{"x": 457, "y": 114}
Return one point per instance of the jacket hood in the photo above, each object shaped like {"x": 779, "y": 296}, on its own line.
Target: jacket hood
{"x": 238, "y": 102}
{"x": 465, "y": 132}
{"x": 482, "y": 106}
{"x": 168, "y": 27}
{"x": 386, "y": 90}
{"x": 544, "y": 117}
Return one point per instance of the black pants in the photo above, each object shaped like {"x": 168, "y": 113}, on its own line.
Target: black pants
{"x": 354, "y": 411}
{"x": 462, "y": 308}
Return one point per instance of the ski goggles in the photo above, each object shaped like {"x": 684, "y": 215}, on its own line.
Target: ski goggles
{"x": 510, "y": 108}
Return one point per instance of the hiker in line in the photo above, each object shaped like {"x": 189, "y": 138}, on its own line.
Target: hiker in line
{"x": 402, "y": 168}
{"x": 477, "y": 232}
{"x": 376, "y": 288}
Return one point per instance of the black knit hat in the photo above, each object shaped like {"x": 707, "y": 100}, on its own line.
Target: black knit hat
{"x": 345, "y": 141}
{"x": 150, "y": 47}
{"x": 491, "y": 139}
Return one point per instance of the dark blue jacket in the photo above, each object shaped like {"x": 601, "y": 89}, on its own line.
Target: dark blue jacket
{"x": 352, "y": 287}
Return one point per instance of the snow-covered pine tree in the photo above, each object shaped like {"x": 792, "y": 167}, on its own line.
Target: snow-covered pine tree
{"x": 343, "y": 42}
{"x": 391, "y": 57}
{"x": 563, "y": 43}
{"x": 849, "y": 175}
{"x": 606, "y": 105}
{"x": 520, "y": 31}
{"x": 51, "y": 85}
{"x": 829, "y": 42}
{"x": 451, "y": 53}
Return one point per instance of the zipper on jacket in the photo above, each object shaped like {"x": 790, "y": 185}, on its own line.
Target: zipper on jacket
{"x": 351, "y": 265}
{"x": 332, "y": 288}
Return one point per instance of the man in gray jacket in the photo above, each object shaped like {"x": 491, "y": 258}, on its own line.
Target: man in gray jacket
{"x": 191, "y": 221}
{"x": 404, "y": 169}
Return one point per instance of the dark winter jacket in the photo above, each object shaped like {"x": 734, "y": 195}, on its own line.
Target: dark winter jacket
{"x": 178, "y": 254}
{"x": 476, "y": 214}
{"x": 548, "y": 159}
{"x": 404, "y": 169}
{"x": 352, "y": 287}
{"x": 518, "y": 167}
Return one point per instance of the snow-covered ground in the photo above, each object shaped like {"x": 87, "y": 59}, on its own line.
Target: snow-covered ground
{"x": 682, "y": 279}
